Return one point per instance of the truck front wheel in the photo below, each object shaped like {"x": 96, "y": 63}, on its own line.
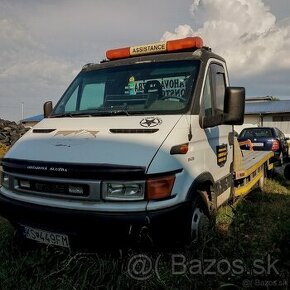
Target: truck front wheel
{"x": 200, "y": 221}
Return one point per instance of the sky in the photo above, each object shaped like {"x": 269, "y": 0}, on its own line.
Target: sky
{"x": 45, "y": 43}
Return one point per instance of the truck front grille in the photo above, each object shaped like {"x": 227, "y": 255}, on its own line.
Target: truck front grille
{"x": 53, "y": 188}
{"x": 64, "y": 188}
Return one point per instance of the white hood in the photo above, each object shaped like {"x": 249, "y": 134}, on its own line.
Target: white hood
{"x": 91, "y": 140}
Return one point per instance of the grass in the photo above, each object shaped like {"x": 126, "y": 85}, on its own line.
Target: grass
{"x": 256, "y": 228}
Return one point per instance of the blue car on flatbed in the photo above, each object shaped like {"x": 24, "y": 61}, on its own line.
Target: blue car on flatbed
{"x": 266, "y": 139}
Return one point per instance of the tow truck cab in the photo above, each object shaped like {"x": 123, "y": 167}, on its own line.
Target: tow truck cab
{"x": 143, "y": 140}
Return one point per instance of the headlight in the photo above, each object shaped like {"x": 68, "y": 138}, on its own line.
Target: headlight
{"x": 118, "y": 190}
{"x": 4, "y": 179}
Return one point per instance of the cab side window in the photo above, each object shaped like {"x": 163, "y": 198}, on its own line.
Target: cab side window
{"x": 214, "y": 90}
{"x": 220, "y": 88}
{"x": 207, "y": 96}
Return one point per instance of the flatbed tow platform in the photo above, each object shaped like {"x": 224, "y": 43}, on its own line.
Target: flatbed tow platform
{"x": 250, "y": 168}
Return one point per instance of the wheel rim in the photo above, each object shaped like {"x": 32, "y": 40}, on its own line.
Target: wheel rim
{"x": 281, "y": 158}
{"x": 262, "y": 179}
{"x": 199, "y": 225}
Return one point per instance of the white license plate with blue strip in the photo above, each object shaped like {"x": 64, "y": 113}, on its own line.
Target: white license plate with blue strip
{"x": 258, "y": 144}
{"x": 46, "y": 237}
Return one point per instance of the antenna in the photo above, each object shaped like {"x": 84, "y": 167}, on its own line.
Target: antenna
{"x": 190, "y": 131}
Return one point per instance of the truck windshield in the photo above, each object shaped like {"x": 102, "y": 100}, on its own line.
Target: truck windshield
{"x": 163, "y": 87}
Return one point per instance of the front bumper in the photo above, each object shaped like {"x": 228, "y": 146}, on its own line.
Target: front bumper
{"x": 88, "y": 227}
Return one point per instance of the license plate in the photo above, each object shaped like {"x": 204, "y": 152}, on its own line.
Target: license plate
{"x": 45, "y": 237}
{"x": 258, "y": 144}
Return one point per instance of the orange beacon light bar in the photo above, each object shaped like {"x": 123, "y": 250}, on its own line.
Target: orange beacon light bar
{"x": 158, "y": 47}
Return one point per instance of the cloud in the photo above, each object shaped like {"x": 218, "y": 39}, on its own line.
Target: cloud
{"x": 82, "y": 30}
{"x": 244, "y": 32}
{"x": 27, "y": 70}
{"x": 45, "y": 43}
{"x": 23, "y": 57}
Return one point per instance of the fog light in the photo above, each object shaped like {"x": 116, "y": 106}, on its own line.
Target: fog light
{"x": 24, "y": 184}
{"x": 4, "y": 180}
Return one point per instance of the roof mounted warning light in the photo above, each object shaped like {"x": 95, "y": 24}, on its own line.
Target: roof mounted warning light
{"x": 154, "y": 48}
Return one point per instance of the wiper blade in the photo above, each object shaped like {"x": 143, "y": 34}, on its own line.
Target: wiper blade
{"x": 71, "y": 115}
{"x": 105, "y": 112}
{"x": 113, "y": 111}
{"x": 62, "y": 115}
{"x": 119, "y": 112}
{"x": 110, "y": 113}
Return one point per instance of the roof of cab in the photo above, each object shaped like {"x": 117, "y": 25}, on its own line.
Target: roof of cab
{"x": 202, "y": 54}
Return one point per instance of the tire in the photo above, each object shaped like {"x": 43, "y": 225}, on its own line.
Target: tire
{"x": 263, "y": 178}
{"x": 199, "y": 221}
{"x": 281, "y": 159}
{"x": 199, "y": 225}
{"x": 286, "y": 158}
{"x": 287, "y": 172}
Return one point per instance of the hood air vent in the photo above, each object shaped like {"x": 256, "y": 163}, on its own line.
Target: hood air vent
{"x": 133, "y": 131}
{"x": 43, "y": 130}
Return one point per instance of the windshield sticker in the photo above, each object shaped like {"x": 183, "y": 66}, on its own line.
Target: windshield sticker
{"x": 171, "y": 86}
{"x": 150, "y": 122}
{"x": 131, "y": 86}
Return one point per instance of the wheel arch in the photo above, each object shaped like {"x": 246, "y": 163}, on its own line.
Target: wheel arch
{"x": 203, "y": 187}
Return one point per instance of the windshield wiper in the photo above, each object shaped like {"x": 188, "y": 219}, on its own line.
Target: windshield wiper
{"x": 71, "y": 115}
{"x": 62, "y": 115}
{"x": 117, "y": 110}
{"x": 102, "y": 112}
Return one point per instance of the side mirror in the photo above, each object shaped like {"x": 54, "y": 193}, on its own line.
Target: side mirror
{"x": 234, "y": 106}
{"x": 47, "y": 109}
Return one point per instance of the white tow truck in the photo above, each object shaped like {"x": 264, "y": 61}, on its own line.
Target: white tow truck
{"x": 141, "y": 142}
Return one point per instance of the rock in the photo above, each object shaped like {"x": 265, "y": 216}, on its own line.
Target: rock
{"x": 10, "y": 132}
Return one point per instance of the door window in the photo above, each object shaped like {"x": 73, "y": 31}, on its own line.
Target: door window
{"x": 214, "y": 90}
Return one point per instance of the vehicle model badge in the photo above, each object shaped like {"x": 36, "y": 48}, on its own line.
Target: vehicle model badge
{"x": 81, "y": 132}
{"x": 150, "y": 122}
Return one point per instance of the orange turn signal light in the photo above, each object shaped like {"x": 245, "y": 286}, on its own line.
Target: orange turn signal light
{"x": 185, "y": 43}
{"x": 118, "y": 53}
{"x": 179, "y": 149}
{"x": 160, "y": 187}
